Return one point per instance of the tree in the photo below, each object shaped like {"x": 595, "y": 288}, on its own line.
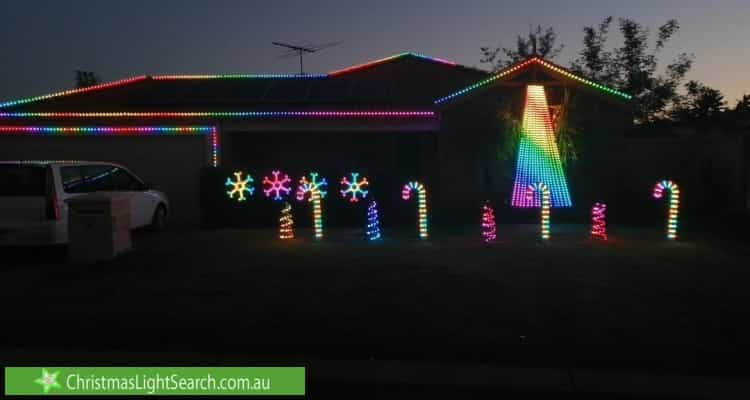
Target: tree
{"x": 633, "y": 68}
{"x": 539, "y": 42}
{"x": 701, "y": 104}
{"x": 86, "y": 79}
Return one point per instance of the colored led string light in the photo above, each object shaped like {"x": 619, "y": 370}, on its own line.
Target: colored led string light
{"x": 421, "y": 204}
{"x": 314, "y": 189}
{"x": 238, "y": 76}
{"x": 224, "y": 114}
{"x": 373, "y": 221}
{"x": 674, "y": 205}
{"x": 278, "y": 186}
{"x": 524, "y": 64}
{"x": 286, "y": 222}
{"x": 386, "y": 59}
{"x": 240, "y": 186}
{"x": 544, "y": 195}
{"x": 354, "y": 188}
{"x": 599, "y": 221}
{"x": 489, "y": 230}
{"x": 120, "y": 130}
{"x": 538, "y": 157}
{"x": 73, "y": 91}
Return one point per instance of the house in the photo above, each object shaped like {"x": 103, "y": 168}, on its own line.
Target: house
{"x": 398, "y": 119}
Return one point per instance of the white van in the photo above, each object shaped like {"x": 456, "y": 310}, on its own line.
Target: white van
{"x": 33, "y": 194}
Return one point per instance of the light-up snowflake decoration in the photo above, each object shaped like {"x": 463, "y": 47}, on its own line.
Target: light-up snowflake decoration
{"x": 240, "y": 186}
{"x": 354, "y": 187}
{"x": 276, "y": 186}
{"x": 309, "y": 186}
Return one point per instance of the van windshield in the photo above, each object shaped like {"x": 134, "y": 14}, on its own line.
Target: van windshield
{"x": 22, "y": 180}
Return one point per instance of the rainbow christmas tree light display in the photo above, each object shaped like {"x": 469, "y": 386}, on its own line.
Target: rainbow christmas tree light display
{"x": 544, "y": 195}
{"x": 315, "y": 190}
{"x": 354, "y": 187}
{"x": 276, "y": 186}
{"x": 240, "y": 186}
{"x": 286, "y": 222}
{"x": 373, "y": 221}
{"x": 674, "y": 205}
{"x": 489, "y": 230}
{"x": 599, "y": 221}
{"x": 538, "y": 156}
{"x": 421, "y": 204}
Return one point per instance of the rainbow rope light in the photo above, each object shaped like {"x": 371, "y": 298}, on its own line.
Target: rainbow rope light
{"x": 224, "y": 114}
{"x": 286, "y": 222}
{"x": 240, "y": 186}
{"x": 544, "y": 194}
{"x": 386, "y": 59}
{"x": 538, "y": 156}
{"x": 316, "y": 190}
{"x": 674, "y": 205}
{"x": 373, "y": 221}
{"x": 489, "y": 230}
{"x": 120, "y": 130}
{"x": 276, "y": 186}
{"x": 237, "y": 76}
{"x": 599, "y": 221}
{"x": 74, "y": 91}
{"x": 354, "y": 187}
{"x": 421, "y": 204}
{"x": 524, "y": 64}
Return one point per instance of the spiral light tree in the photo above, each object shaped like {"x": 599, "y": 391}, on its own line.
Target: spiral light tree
{"x": 314, "y": 190}
{"x": 489, "y": 230}
{"x": 674, "y": 205}
{"x": 544, "y": 195}
{"x": 421, "y": 204}
{"x": 286, "y": 222}
{"x": 599, "y": 221}
{"x": 373, "y": 221}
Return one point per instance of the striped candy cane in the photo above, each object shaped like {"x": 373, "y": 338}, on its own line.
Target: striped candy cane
{"x": 599, "y": 221}
{"x": 421, "y": 204}
{"x": 674, "y": 205}
{"x": 543, "y": 191}
{"x": 316, "y": 190}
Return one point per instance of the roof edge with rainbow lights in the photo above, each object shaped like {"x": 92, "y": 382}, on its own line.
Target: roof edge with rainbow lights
{"x": 127, "y": 81}
{"x": 524, "y": 64}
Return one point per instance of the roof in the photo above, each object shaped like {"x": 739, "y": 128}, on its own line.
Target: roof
{"x": 396, "y": 82}
{"x": 517, "y": 68}
{"x": 403, "y": 85}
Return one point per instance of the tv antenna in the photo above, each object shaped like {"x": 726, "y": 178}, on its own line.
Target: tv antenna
{"x": 295, "y": 50}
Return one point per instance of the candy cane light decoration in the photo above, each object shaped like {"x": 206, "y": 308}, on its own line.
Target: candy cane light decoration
{"x": 599, "y": 221}
{"x": 544, "y": 195}
{"x": 421, "y": 204}
{"x": 315, "y": 189}
{"x": 674, "y": 204}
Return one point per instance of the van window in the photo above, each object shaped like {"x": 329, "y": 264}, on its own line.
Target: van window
{"x": 97, "y": 178}
{"x": 123, "y": 181}
{"x": 22, "y": 180}
{"x": 72, "y": 180}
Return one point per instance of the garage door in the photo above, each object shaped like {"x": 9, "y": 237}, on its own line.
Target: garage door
{"x": 170, "y": 163}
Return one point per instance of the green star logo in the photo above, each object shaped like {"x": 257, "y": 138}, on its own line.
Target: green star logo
{"x": 48, "y": 380}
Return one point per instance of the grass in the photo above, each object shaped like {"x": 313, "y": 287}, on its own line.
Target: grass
{"x": 636, "y": 301}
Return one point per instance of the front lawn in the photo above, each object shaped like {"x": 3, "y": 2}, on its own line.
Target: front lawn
{"x": 634, "y": 302}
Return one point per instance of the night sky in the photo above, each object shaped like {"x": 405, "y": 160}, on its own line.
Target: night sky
{"x": 43, "y": 42}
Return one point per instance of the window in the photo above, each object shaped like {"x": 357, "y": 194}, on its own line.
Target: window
{"x": 72, "y": 180}
{"x": 22, "y": 180}
{"x": 123, "y": 181}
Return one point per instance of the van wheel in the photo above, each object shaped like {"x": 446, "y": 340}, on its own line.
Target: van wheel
{"x": 159, "y": 221}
